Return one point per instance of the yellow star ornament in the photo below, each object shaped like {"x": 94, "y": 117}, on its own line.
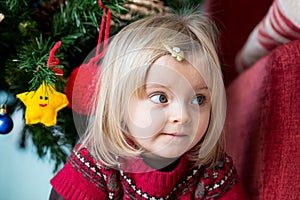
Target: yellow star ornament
{"x": 43, "y": 104}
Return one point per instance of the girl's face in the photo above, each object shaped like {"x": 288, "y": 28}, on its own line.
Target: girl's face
{"x": 174, "y": 113}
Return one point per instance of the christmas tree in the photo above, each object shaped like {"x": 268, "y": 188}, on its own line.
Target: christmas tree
{"x": 42, "y": 42}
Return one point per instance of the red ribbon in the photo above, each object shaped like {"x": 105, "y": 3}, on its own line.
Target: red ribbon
{"x": 104, "y": 27}
{"x": 52, "y": 61}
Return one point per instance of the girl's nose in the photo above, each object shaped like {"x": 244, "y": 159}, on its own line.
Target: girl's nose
{"x": 178, "y": 113}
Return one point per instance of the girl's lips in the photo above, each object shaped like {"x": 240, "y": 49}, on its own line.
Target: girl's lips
{"x": 175, "y": 134}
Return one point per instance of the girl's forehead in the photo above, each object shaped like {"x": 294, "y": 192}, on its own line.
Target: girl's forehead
{"x": 167, "y": 69}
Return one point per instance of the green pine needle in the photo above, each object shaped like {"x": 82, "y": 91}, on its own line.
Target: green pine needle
{"x": 33, "y": 59}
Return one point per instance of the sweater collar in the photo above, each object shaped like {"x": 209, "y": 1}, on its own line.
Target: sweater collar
{"x": 141, "y": 175}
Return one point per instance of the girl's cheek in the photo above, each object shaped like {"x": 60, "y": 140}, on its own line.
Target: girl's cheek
{"x": 145, "y": 120}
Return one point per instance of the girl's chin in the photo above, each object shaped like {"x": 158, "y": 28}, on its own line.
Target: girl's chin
{"x": 157, "y": 162}
{"x": 162, "y": 155}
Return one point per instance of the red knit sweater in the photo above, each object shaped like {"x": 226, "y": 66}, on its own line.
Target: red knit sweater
{"x": 82, "y": 178}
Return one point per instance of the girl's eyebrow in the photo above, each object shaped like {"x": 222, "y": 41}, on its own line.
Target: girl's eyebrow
{"x": 201, "y": 88}
{"x": 154, "y": 85}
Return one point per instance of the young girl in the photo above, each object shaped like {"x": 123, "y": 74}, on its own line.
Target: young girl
{"x": 158, "y": 119}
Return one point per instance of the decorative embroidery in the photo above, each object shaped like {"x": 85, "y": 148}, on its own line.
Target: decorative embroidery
{"x": 172, "y": 194}
{"x": 112, "y": 183}
{"x": 223, "y": 182}
{"x": 89, "y": 171}
{"x": 201, "y": 182}
{"x": 199, "y": 192}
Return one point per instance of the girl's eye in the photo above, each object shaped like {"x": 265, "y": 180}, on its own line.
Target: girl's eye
{"x": 199, "y": 100}
{"x": 159, "y": 98}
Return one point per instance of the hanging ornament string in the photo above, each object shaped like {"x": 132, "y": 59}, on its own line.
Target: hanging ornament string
{"x": 53, "y": 62}
{"x": 104, "y": 27}
{"x": 81, "y": 81}
{"x": 45, "y": 70}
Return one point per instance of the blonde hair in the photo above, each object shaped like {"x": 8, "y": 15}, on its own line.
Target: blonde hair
{"x": 124, "y": 69}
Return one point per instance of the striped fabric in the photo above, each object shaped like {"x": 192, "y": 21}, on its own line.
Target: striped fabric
{"x": 280, "y": 25}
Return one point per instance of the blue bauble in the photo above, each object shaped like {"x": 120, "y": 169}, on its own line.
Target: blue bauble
{"x": 6, "y": 124}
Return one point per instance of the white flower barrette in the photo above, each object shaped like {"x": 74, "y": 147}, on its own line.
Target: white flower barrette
{"x": 176, "y": 52}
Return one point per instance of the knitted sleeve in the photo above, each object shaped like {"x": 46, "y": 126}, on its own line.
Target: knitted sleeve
{"x": 83, "y": 178}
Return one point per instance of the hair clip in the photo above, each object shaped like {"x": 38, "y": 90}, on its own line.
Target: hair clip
{"x": 175, "y": 52}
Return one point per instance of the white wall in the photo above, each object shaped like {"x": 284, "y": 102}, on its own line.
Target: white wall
{"x": 23, "y": 175}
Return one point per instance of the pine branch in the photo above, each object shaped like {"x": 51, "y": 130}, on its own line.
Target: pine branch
{"x": 28, "y": 32}
{"x": 33, "y": 59}
{"x": 14, "y": 8}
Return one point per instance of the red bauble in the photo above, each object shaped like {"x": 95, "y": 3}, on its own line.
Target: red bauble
{"x": 81, "y": 88}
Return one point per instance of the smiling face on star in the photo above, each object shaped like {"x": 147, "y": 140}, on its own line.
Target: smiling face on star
{"x": 43, "y": 100}
{"x": 172, "y": 114}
